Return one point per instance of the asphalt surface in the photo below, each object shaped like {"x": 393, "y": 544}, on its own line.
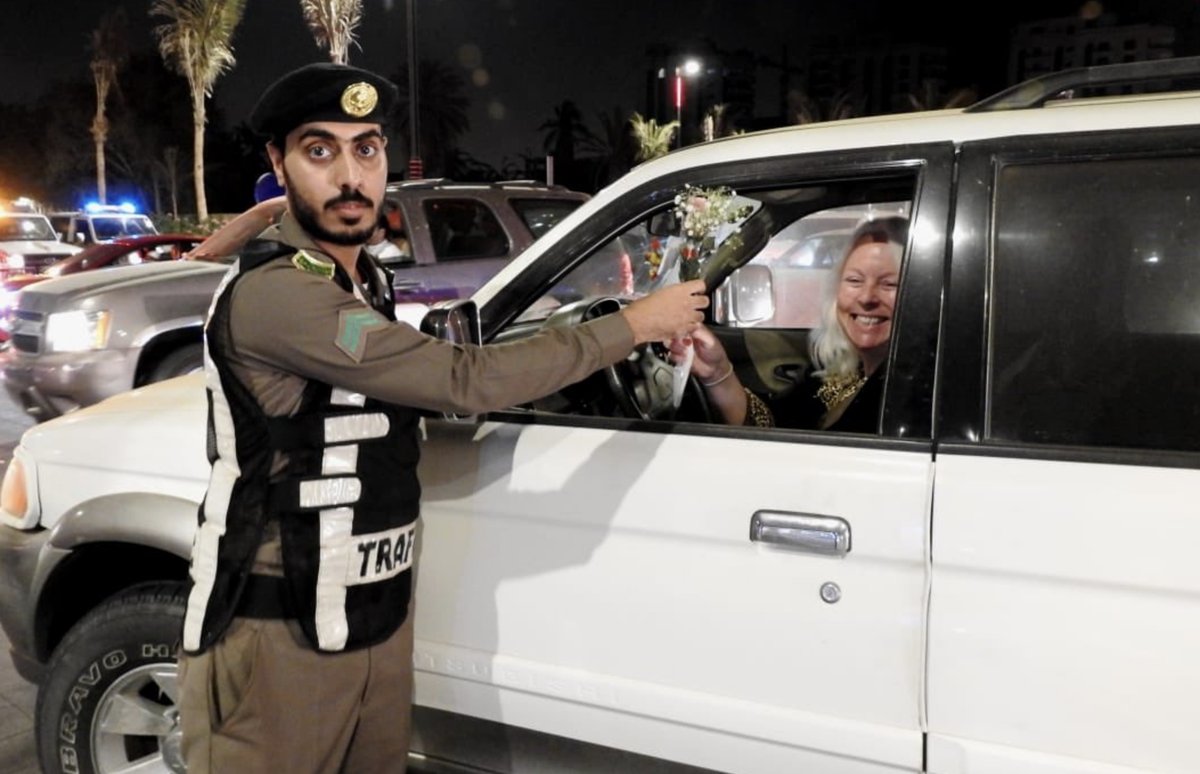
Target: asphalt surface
{"x": 18, "y": 750}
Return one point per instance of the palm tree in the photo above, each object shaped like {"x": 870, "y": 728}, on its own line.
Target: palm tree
{"x": 442, "y": 113}
{"x": 652, "y": 140}
{"x": 333, "y": 23}
{"x": 564, "y": 131}
{"x": 109, "y": 50}
{"x": 196, "y": 41}
{"x": 803, "y": 109}
{"x": 931, "y": 97}
{"x": 614, "y": 145}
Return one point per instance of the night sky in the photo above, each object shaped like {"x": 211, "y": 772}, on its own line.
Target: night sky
{"x": 520, "y": 58}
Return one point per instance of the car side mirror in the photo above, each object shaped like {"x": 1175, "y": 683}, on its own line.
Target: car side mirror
{"x": 745, "y": 298}
{"x": 456, "y": 321}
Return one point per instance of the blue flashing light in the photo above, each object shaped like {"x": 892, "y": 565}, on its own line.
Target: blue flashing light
{"x": 93, "y": 207}
{"x": 128, "y": 207}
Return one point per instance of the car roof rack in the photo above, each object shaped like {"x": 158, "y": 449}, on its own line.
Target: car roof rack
{"x": 445, "y": 182}
{"x": 1036, "y": 92}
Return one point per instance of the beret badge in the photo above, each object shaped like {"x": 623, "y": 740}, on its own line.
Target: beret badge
{"x": 359, "y": 99}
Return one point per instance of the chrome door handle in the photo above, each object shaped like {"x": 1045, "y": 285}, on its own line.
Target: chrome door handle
{"x": 828, "y": 535}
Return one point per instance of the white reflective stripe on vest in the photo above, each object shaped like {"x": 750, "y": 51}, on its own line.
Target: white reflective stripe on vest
{"x": 343, "y": 397}
{"x": 338, "y": 460}
{"x": 328, "y": 492}
{"x": 333, "y": 630}
{"x": 356, "y": 427}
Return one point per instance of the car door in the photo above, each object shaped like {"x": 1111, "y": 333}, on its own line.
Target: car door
{"x": 1066, "y": 592}
{"x": 590, "y": 585}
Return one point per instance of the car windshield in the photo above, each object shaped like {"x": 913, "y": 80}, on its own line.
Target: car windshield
{"x": 16, "y": 227}
{"x": 541, "y": 215}
{"x": 112, "y": 226}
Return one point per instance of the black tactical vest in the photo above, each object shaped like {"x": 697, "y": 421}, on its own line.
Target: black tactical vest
{"x": 346, "y": 502}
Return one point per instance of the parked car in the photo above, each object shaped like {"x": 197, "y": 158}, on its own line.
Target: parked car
{"x": 134, "y": 326}
{"x": 461, "y": 234}
{"x": 1002, "y": 578}
{"x": 125, "y": 251}
{"x": 101, "y": 223}
{"x": 28, "y": 244}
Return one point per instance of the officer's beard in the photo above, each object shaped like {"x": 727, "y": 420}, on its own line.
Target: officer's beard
{"x": 306, "y": 216}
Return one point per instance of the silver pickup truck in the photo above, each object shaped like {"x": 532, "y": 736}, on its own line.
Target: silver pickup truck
{"x": 77, "y": 340}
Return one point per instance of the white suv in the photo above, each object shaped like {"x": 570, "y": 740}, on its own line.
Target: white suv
{"x": 101, "y": 223}
{"x": 1001, "y": 578}
{"x": 28, "y": 244}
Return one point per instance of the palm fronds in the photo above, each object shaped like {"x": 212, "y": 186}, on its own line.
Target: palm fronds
{"x": 333, "y": 23}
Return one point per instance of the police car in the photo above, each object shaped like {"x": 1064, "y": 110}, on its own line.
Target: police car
{"x": 1000, "y": 578}
{"x": 28, "y": 243}
{"x": 101, "y": 223}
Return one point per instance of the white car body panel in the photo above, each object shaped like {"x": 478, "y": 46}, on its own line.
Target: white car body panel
{"x": 161, "y": 430}
{"x": 614, "y": 569}
{"x": 1064, "y": 616}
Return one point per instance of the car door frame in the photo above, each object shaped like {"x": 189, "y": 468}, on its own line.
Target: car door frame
{"x": 906, "y": 422}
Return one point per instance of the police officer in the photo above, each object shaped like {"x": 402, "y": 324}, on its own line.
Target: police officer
{"x": 297, "y": 644}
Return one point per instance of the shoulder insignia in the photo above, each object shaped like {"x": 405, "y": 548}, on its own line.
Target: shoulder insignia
{"x": 353, "y": 327}
{"x": 305, "y": 262}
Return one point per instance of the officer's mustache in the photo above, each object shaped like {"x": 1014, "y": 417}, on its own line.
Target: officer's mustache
{"x": 349, "y": 197}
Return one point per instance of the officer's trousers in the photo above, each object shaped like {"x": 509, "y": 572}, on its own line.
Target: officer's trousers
{"x": 260, "y": 701}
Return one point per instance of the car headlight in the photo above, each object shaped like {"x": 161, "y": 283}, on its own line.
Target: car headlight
{"x": 19, "y": 505}
{"x": 77, "y": 331}
{"x": 15, "y": 261}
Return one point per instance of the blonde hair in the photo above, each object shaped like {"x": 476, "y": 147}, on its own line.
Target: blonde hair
{"x": 833, "y": 355}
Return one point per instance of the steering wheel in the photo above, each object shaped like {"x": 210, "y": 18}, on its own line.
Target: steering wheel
{"x": 643, "y": 382}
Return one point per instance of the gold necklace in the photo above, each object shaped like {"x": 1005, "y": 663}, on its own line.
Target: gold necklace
{"x": 835, "y": 390}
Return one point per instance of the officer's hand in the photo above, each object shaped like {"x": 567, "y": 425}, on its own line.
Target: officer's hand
{"x": 669, "y": 313}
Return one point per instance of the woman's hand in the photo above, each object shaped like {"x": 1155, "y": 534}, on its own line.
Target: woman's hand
{"x": 709, "y": 361}
{"x": 711, "y": 367}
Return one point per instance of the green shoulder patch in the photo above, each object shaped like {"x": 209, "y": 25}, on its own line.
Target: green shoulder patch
{"x": 353, "y": 327}
{"x": 305, "y": 262}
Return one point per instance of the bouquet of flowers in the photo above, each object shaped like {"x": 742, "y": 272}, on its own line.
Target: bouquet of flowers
{"x": 701, "y": 212}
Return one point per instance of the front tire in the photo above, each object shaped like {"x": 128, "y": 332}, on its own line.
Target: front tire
{"x": 109, "y": 698}
{"x": 187, "y": 359}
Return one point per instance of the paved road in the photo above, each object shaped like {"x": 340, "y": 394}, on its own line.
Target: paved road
{"x": 18, "y": 753}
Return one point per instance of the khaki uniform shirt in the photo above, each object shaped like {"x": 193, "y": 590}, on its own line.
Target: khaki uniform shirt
{"x": 290, "y": 325}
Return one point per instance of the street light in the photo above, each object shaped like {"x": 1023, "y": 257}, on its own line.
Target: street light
{"x": 416, "y": 169}
{"x": 689, "y": 67}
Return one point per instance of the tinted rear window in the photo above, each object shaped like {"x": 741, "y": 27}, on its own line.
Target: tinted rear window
{"x": 1095, "y": 298}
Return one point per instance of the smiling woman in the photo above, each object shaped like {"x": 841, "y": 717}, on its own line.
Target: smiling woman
{"x": 843, "y": 386}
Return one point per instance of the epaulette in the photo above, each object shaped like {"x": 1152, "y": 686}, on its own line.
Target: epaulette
{"x": 313, "y": 265}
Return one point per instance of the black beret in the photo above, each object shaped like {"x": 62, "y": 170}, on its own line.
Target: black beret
{"x": 323, "y": 91}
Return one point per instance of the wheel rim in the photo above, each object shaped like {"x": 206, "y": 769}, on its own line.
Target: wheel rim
{"x": 137, "y": 723}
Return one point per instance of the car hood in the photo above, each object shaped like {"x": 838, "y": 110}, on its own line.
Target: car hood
{"x": 122, "y": 277}
{"x": 157, "y": 430}
{"x": 38, "y": 247}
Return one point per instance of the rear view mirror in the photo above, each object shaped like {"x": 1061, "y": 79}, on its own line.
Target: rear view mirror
{"x": 663, "y": 224}
{"x": 746, "y": 298}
